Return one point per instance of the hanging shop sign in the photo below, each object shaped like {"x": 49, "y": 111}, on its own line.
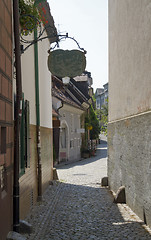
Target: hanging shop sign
{"x": 63, "y": 63}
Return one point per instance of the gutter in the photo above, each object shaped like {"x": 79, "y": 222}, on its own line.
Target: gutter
{"x": 39, "y": 167}
{"x": 17, "y": 116}
{"x": 60, "y": 106}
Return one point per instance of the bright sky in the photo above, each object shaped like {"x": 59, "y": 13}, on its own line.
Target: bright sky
{"x": 87, "y": 22}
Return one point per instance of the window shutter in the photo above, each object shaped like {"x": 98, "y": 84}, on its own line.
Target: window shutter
{"x": 22, "y": 139}
{"x": 27, "y": 134}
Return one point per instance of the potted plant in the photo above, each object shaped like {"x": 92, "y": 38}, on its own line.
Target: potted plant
{"x": 85, "y": 153}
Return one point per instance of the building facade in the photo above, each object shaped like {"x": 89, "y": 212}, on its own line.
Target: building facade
{"x": 69, "y": 129}
{"x": 129, "y": 128}
{"x": 101, "y": 96}
{"x": 39, "y": 123}
{"x": 36, "y": 138}
{"x": 6, "y": 119}
{"x": 70, "y": 135}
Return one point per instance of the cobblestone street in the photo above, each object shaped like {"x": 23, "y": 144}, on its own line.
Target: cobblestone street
{"x": 77, "y": 207}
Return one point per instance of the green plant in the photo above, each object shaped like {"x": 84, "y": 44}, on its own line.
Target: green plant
{"x": 95, "y": 131}
{"x": 31, "y": 14}
{"x": 84, "y": 150}
{"x": 104, "y": 117}
{"x": 92, "y": 124}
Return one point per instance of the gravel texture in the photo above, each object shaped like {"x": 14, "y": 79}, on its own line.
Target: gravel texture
{"x": 77, "y": 207}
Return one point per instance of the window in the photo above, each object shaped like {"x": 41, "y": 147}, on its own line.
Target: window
{"x": 79, "y": 142}
{"x": 3, "y": 140}
{"x": 72, "y": 123}
{"x": 97, "y": 103}
{"x": 71, "y": 143}
{"x": 63, "y": 138}
{"x": 2, "y": 178}
{"x": 78, "y": 122}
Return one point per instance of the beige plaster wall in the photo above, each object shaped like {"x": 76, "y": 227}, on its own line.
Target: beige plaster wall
{"x": 129, "y": 58}
{"x": 28, "y": 181}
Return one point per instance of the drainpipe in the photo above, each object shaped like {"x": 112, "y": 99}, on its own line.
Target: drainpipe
{"x": 37, "y": 119}
{"x": 59, "y": 131}
{"x": 17, "y": 117}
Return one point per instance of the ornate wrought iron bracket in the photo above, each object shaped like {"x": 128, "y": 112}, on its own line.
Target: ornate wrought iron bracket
{"x": 32, "y": 23}
{"x": 61, "y": 37}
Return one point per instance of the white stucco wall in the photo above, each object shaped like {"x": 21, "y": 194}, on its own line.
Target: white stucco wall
{"x": 28, "y": 83}
{"x": 44, "y": 85}
{"x": 129, "y": 58}
{"x": 66, "y": 114}
{"x": 28, "y": 80}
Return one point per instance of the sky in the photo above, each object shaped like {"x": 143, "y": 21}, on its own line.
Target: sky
{"x": 87, "y": 22}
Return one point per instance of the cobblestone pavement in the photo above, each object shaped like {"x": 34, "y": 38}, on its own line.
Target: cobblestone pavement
{"x": 77, "y": 207}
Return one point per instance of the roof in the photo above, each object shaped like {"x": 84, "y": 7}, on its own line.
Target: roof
{"x": 99, "y": 91}
{"x": 48, "y": 21}
{"x": 63, "y": 96}
{"x": 105, "y": 85}
{"x": 76, "y": 93}
{"x": 80, "y": 91}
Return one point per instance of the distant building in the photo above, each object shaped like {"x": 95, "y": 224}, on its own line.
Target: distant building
{"x": 101, "y": 95}
{"x": 69, "y": 112}
{"x": 70, "y": 102}
{"x": 85, "y": 77}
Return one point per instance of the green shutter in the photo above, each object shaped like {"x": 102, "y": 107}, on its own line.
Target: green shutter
{"x": 22, "y": 140}
{"x": 27, "y": 134}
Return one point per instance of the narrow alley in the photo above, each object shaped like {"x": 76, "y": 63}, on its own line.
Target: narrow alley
{"x": 77, "y": 207}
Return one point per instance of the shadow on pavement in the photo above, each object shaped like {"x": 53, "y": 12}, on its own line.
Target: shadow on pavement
{"x": 72, "y": 212}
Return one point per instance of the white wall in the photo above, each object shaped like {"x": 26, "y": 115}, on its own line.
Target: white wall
{"x": 28, "y": 80}
{"x": 44, "y": 85}
{"x": 129, "y": 58}
{"x": 67, "y": 113}
{"x": 28, "y": 83}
